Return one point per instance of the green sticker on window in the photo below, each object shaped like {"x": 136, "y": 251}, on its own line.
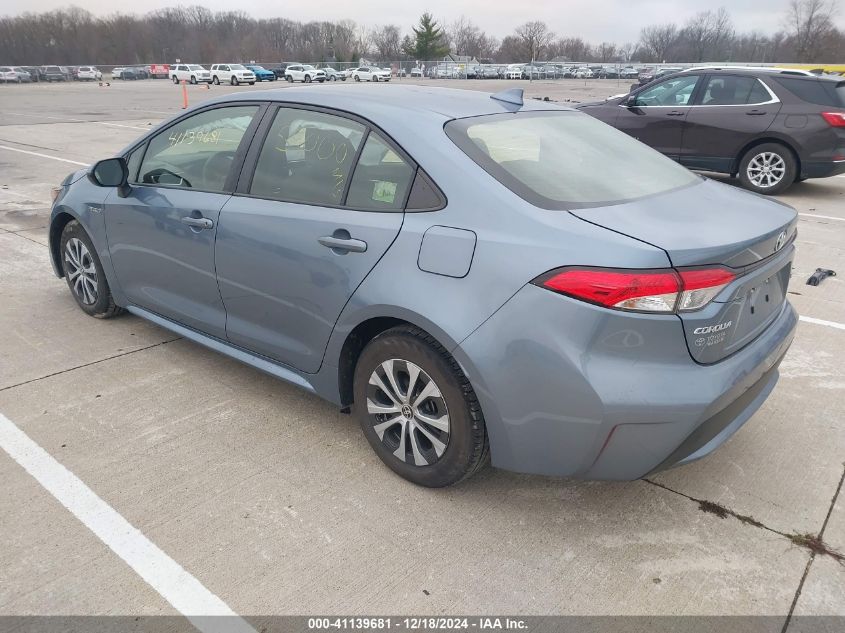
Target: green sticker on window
{"x": 384, "y": 191}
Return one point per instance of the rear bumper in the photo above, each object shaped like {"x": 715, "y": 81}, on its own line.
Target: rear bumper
{"x": 822, "y": 169}
{"x": 570, "y": 389}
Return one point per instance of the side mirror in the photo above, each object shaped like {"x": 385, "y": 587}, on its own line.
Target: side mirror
{"x": 111, "y": 172}
{"x": 630, "y": 101}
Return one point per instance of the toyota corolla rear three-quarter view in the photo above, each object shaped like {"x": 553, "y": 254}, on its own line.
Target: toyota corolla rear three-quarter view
{"x": 455, "y": 269}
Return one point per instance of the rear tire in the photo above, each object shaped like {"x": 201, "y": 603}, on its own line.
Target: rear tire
{"x": 768, "y": 169}
{"x": 453, "y": 445}
{"x": 84, "y": 273}
{"x": 289, "y": 79}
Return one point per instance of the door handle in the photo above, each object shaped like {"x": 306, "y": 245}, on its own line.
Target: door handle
{"x": 198, "y": 223}
{"x": 755, "y": 112}
{"x": 675, "y": 113}
{"x": 343, "y": 243}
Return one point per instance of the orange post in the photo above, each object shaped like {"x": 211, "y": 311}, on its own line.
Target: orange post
{"x": 184, "y": 95}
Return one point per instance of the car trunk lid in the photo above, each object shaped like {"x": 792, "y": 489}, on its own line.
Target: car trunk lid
{"x": 711, "y": 225}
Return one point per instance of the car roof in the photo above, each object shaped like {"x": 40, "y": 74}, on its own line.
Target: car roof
{"x": 394, "y": 101}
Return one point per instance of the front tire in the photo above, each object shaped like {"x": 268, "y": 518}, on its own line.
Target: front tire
{"x": 308, "y": 79}
{"x": 418, "y": 410}
{"x": 84, "y": 273}
{"x": 193, "y": 79}
{"x": 768, "y": 169}
{"x": 234, "y": 81}
{"x": 216, "y": 80}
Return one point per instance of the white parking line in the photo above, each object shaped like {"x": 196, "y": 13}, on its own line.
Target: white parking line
{"x": 23, "y": 151}
{"x": 824, "y": 217}
{"x": 162, "y": 573}
{"x": 834, "y": 324}
{"x": 71, "y": 120}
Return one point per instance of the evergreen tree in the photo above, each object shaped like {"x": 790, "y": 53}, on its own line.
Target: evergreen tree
{"x": 429, "y": 42}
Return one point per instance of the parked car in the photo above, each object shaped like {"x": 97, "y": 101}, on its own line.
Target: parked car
{"x": 739, "y": 122}
{"x": 192, "y": 73}
{"x": 261, "y": 73}
{"x": 610, "y": 327}
{"x": 371, "y": 73}
{"x": 142, "y": 72}
{"x": 649, "y": 75}
{"x": 333, "y": 74}
{"x": 159, "y": 71}
{"x": 584, "y": 73}
{"x": 8, "y": 75}
{"x": 35, "y": 73}
{"x": 125, "y": 73}
{"x": 279, "y": 70}
{"x": 629, "y": 73}
{"x": 233, "y": 74}
{"x": 52, "y": 73}
{"x": 305, "y": 73}
{"x": 514, "y": 71}
{"x": 88, "y": 73}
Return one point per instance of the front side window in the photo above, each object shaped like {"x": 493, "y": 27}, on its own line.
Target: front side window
{"x": 676, "y": 91}
{"x": 562, "y": 160}
{"x": 729, "y": 90}
{"x": 307, "y": 157}
{"x": 197, "y": 152}
{"x": 381, "y": 179}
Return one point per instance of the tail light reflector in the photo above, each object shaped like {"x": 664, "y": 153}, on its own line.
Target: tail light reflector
{"x": 836, "y": 119}
{"x": 659, "y": 291}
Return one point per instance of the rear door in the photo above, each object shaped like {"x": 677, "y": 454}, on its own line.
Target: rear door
{"x": 320, "y": 201}
{"x": 658, "y": 113}
{"x": 728, "y": 112}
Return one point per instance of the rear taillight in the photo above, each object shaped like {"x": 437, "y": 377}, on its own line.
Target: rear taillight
{"x": 836, "y": 119}
{"x": 665, "y": 291}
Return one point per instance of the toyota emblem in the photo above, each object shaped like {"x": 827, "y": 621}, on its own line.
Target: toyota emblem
{"x": 780, "y": 241}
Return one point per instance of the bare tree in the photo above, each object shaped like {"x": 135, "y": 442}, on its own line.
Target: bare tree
{"x": 387, "y": 40}
{"x": 535, "y": 37}
{"x": 606, "y": 51}
{"x": 810, "y": 25}
{"x": 705, "y": 34}
{"x": 658, "y": 40}
{"x": 573, "y": 48}
{"x": 626, "y": 51}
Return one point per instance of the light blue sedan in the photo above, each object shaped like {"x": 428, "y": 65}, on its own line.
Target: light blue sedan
{"x": 473, "y": 277}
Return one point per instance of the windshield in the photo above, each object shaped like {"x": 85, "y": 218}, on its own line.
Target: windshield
{"x": 195, "y": 67}
{"x": 236, "y": 67}
{"x": 566, "y": 160}
{"x": 309, "y": 67}
{"x": 256, "y": 67}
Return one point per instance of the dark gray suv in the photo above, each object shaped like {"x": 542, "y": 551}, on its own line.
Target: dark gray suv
{"x": 769, "y": 128}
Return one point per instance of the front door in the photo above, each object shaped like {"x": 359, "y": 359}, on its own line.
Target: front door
{"x": 657, "y": 115}
{"x": 324, "y": 203}
{"x": 161, "y": 236}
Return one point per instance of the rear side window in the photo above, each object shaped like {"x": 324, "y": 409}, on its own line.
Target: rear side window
{"x": 820, "y": 92}
{"x": 566, "y": 160}
{"x": 382, "y": 178}
{"x": 307, "y": 157}
{"x": 730, "y": 90}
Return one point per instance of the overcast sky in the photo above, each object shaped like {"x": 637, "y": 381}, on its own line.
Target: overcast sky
{"x": 595, "y": 20}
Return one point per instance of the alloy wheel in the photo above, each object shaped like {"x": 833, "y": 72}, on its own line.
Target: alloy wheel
{"x": 766, "y": 169}
{"x": 408, "y": 412}
{"x": 81, "y": 271}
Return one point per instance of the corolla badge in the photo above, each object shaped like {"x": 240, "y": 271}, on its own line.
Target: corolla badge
{"x": 713, "y": 328}
{"x": 780, "y": 241}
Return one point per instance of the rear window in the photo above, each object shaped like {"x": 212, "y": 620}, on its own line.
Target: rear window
{"x": 566, "y": 160}
{"x": 818, "y": 91}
